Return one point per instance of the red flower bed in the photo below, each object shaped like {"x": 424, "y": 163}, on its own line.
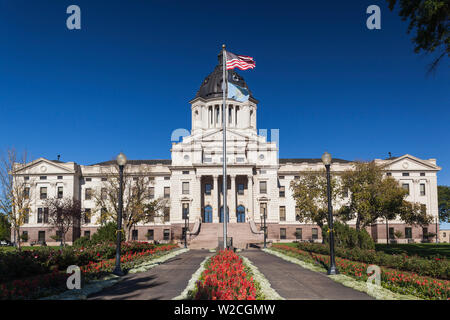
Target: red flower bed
{"x": 54, "y": 282}
{"x": 225, "y": 279}
{"x": 394, "y": 280}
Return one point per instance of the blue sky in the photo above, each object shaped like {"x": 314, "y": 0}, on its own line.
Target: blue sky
{"x": 123, "y": 82}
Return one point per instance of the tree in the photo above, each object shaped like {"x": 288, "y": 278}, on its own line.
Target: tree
{"x": 5, "y": 228}
{"x": 310, "y": 194}
{"x": 430, "y": 19}
{"x": 63, "y": 214}
{"x": 138, "y": 205}
{"x": 15, "y": 197}
{"x": 444, "y": 203}
{"x": 374, "y": 196}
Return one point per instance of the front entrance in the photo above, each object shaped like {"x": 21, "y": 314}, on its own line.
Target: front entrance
{"x": 207, "y": 215}
{"x": 240, "y": 213}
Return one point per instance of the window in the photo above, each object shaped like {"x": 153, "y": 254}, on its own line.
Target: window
{"x": 43, "y": 193}
{"x": 43, "y": 177}
{"x": 345, "y": 193}
{"x": 185, "y": 211}
{"x": 150, "y": 234}
{"x": 422, "y": 189}
{"x": 239, "y": 159}
{"x": 263, "y": 187}
{"x": 422, "y": 174}
{"x": 185, "y": 172}
{"x": 406, "y": 187}
{"x": 315, "y": 234}
{"x": 103, "y": 215}
{"x": 39, "y": 217}
{"x": 444, "y": 234}
{"x": 424, "y": 233}
{"x": 297, "y": 214}
{"x": 134, "y": 235}
{"x": 103, "y": 193}
{"x": 151, "y": 192}
{"x": 26, "y": 215}
{"x": 297, "y": 177}
{"x": 88, "y": 179}
{"x": 167, "y": 178}
{"x": 282, "y": 213}
{"x": 26, "y": 193}
{"x": 405, "y": 174}
{"x": 206, "y": 159}
{"x": 58, "y": 235}
{"x": 104, "y": 179}
{"x": 282, "y": 233}
{"x": 208, "y": 188}
{"x": 408, "y": 233}
{"x": 41, "y": 236}
{"x": 298, "y": 233}
{"x": 87, "y": 234}
{"x": 166, "y": 214}
{"x": 135, "y": 178}
{"x": 24, "y": 236}
{"x": 281, "y": 177}
{"x": 389, "y": 174}
{"x": 60, "y": 177}
{"x": 391, "y": 233}
{"x": 166, "y": 234}
{"x": 240, "y": 188}
{"x": 185, "y": 188}
{"x": 166, "y": 192}
{"x": 87, "y": 215}
{"x": 87, "y": 194}
{"x": 26, "y": 178}
{"x": 60, "y": 192}
{"x": 45, "y": 215}
{"x": 282, "y": 191}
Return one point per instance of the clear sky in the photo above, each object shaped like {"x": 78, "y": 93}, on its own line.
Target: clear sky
{"x": 123, "y": 82}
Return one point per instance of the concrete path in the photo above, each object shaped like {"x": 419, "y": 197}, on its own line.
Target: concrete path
{"x": 293, "y": 282}
{"x": 162, "y": 282}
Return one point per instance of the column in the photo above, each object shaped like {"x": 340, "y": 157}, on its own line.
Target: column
{"x": 215, "y": 208}
{"x": 197, "y": 195}
{"x": 250, "y": 197}
{"x": 232, "y": 204}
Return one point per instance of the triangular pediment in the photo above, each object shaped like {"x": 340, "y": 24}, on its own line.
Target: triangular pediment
{"x": 409, "y": 162}
{"x": 43, "y": 166}
{"x": 217, "y": 136}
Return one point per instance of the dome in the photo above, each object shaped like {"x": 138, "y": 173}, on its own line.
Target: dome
{"x": 212, "y": 85}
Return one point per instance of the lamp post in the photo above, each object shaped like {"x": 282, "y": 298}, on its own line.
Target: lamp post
{"x": 326, "y": 159}
{"x": 265, "y": 228}
{"x": 121, "y": 161}
{"x": 186, "y": 217}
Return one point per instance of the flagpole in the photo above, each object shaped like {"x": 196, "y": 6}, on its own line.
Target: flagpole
{"x": 224, "y": 116}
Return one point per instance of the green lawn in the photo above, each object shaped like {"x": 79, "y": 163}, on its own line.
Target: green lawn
{"x": 420, "y": 249}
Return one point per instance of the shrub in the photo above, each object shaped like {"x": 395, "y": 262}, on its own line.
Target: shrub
{"x": 82, "y": 242}
{"x": 348, "y": 237}
{"x": 106, "y": 233}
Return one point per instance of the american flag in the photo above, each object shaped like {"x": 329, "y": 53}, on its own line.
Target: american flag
{"x": 239, "y": 61}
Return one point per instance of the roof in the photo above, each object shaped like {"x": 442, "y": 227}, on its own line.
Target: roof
{"x": 135, "y": 162}
{"x": 311, "y": 160}
{"x": 211, "y": 86}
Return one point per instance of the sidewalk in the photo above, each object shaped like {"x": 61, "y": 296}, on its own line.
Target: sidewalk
{"x": 162, "y": 282}
{"x": 293, "y": 282}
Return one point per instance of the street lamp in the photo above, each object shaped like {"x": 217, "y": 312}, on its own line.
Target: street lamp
{"x": 186, "y": 218}
{"x": 326, "y": 159}
{"x": 263, "y": 226}
{"x": 121, "y": 161}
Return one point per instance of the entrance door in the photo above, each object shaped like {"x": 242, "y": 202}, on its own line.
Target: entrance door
{"x": 207, "y": 215}
{"x": 221, "y": 215}
{"x": 240, "y": 214}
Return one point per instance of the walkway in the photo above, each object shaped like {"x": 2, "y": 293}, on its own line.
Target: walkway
{"x": 293, "y": 282}
{"x": 162, "y": 282}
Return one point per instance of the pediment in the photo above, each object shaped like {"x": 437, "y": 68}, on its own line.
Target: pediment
{"x": 43, "y": 166}
{"x": 217, "y": 136}
{"x": 411, "y": 163}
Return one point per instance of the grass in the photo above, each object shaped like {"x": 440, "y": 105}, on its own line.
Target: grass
{"x": 425, "y": 250}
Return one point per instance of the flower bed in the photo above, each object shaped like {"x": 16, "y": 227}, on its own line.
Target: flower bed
{"x": 226, "y": 278}
{"x": 436, "y": 267}
{"x": 55, "y": 281}
{"x": 394, "y": 280}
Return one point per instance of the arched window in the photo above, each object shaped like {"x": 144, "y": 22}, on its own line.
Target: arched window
{"x": 236, "y": 116}
{"x": 240, "y": 212}
{"x": 217, "y": 114}
{"x": 230, "y": 114}
{"x": 207, "y": 215}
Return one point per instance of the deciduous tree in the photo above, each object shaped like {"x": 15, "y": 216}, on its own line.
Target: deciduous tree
{"x": 63, "y": 215}
{"x": 444, "y": 203}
